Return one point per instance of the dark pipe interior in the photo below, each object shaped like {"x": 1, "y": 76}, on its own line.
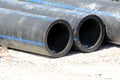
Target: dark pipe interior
{"x": 58, "y": 38}
{"x": 89, "y": 32}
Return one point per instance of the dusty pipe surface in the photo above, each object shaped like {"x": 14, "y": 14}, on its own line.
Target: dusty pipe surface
{"x": 73, "y": 17}
{"x": 110, "y": 14}
{"x": 35, "y": 33}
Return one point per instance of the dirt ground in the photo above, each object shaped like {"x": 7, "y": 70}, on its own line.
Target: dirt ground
{"x": 103, "y": 64}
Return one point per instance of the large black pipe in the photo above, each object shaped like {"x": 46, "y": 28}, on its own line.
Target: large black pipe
{"x": 35, "y": 33}
{"x": 73, "y": 17}
{"x": 108, "y": 11}
{"x": 90, "y": 34}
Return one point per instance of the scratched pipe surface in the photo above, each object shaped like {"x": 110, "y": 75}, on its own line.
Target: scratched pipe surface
{"x": 73, "y": 17}
{"x": 108, "y": 11}
{"x": 35, "y": 33}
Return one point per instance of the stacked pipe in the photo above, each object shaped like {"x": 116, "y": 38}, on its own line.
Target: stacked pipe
{"x": 51, "y": 26}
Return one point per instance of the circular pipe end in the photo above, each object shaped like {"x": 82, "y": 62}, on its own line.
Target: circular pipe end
{"x": 90, "y": 34}
{"x": 59, "y": 38}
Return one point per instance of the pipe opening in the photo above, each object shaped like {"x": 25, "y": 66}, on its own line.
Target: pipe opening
{"x": 89, "y": 32}
{"x": 58, "y": 37}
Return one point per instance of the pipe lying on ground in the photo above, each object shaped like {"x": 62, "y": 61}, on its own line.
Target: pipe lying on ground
{"x": 73, "y": 17}
{"x": 35, "y": 33}
{"x": 109, "y": 14}
{"x": 90, "y": 34}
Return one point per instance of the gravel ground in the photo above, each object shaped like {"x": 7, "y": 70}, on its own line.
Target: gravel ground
{"x": 103, "y": 64}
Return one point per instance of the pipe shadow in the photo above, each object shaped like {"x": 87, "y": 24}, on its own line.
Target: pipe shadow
{"x": 72, "y": 52}
{"x": 103, "y": 46}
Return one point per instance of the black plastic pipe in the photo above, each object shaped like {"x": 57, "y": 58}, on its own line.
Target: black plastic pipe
{"x": 108, "y": 11}
{"x": 90, "y": 34}
{"x": 73, "y": 17}
{"x": 35, "y": 33}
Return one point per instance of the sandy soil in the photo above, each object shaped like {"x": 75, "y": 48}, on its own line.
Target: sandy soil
{"x": 103, "y": 64}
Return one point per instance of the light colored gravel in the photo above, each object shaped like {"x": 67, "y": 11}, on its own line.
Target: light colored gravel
{"x": 100, "y": 65}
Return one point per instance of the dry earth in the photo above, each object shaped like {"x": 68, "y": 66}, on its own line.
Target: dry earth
{"x": 103, "y": 64}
